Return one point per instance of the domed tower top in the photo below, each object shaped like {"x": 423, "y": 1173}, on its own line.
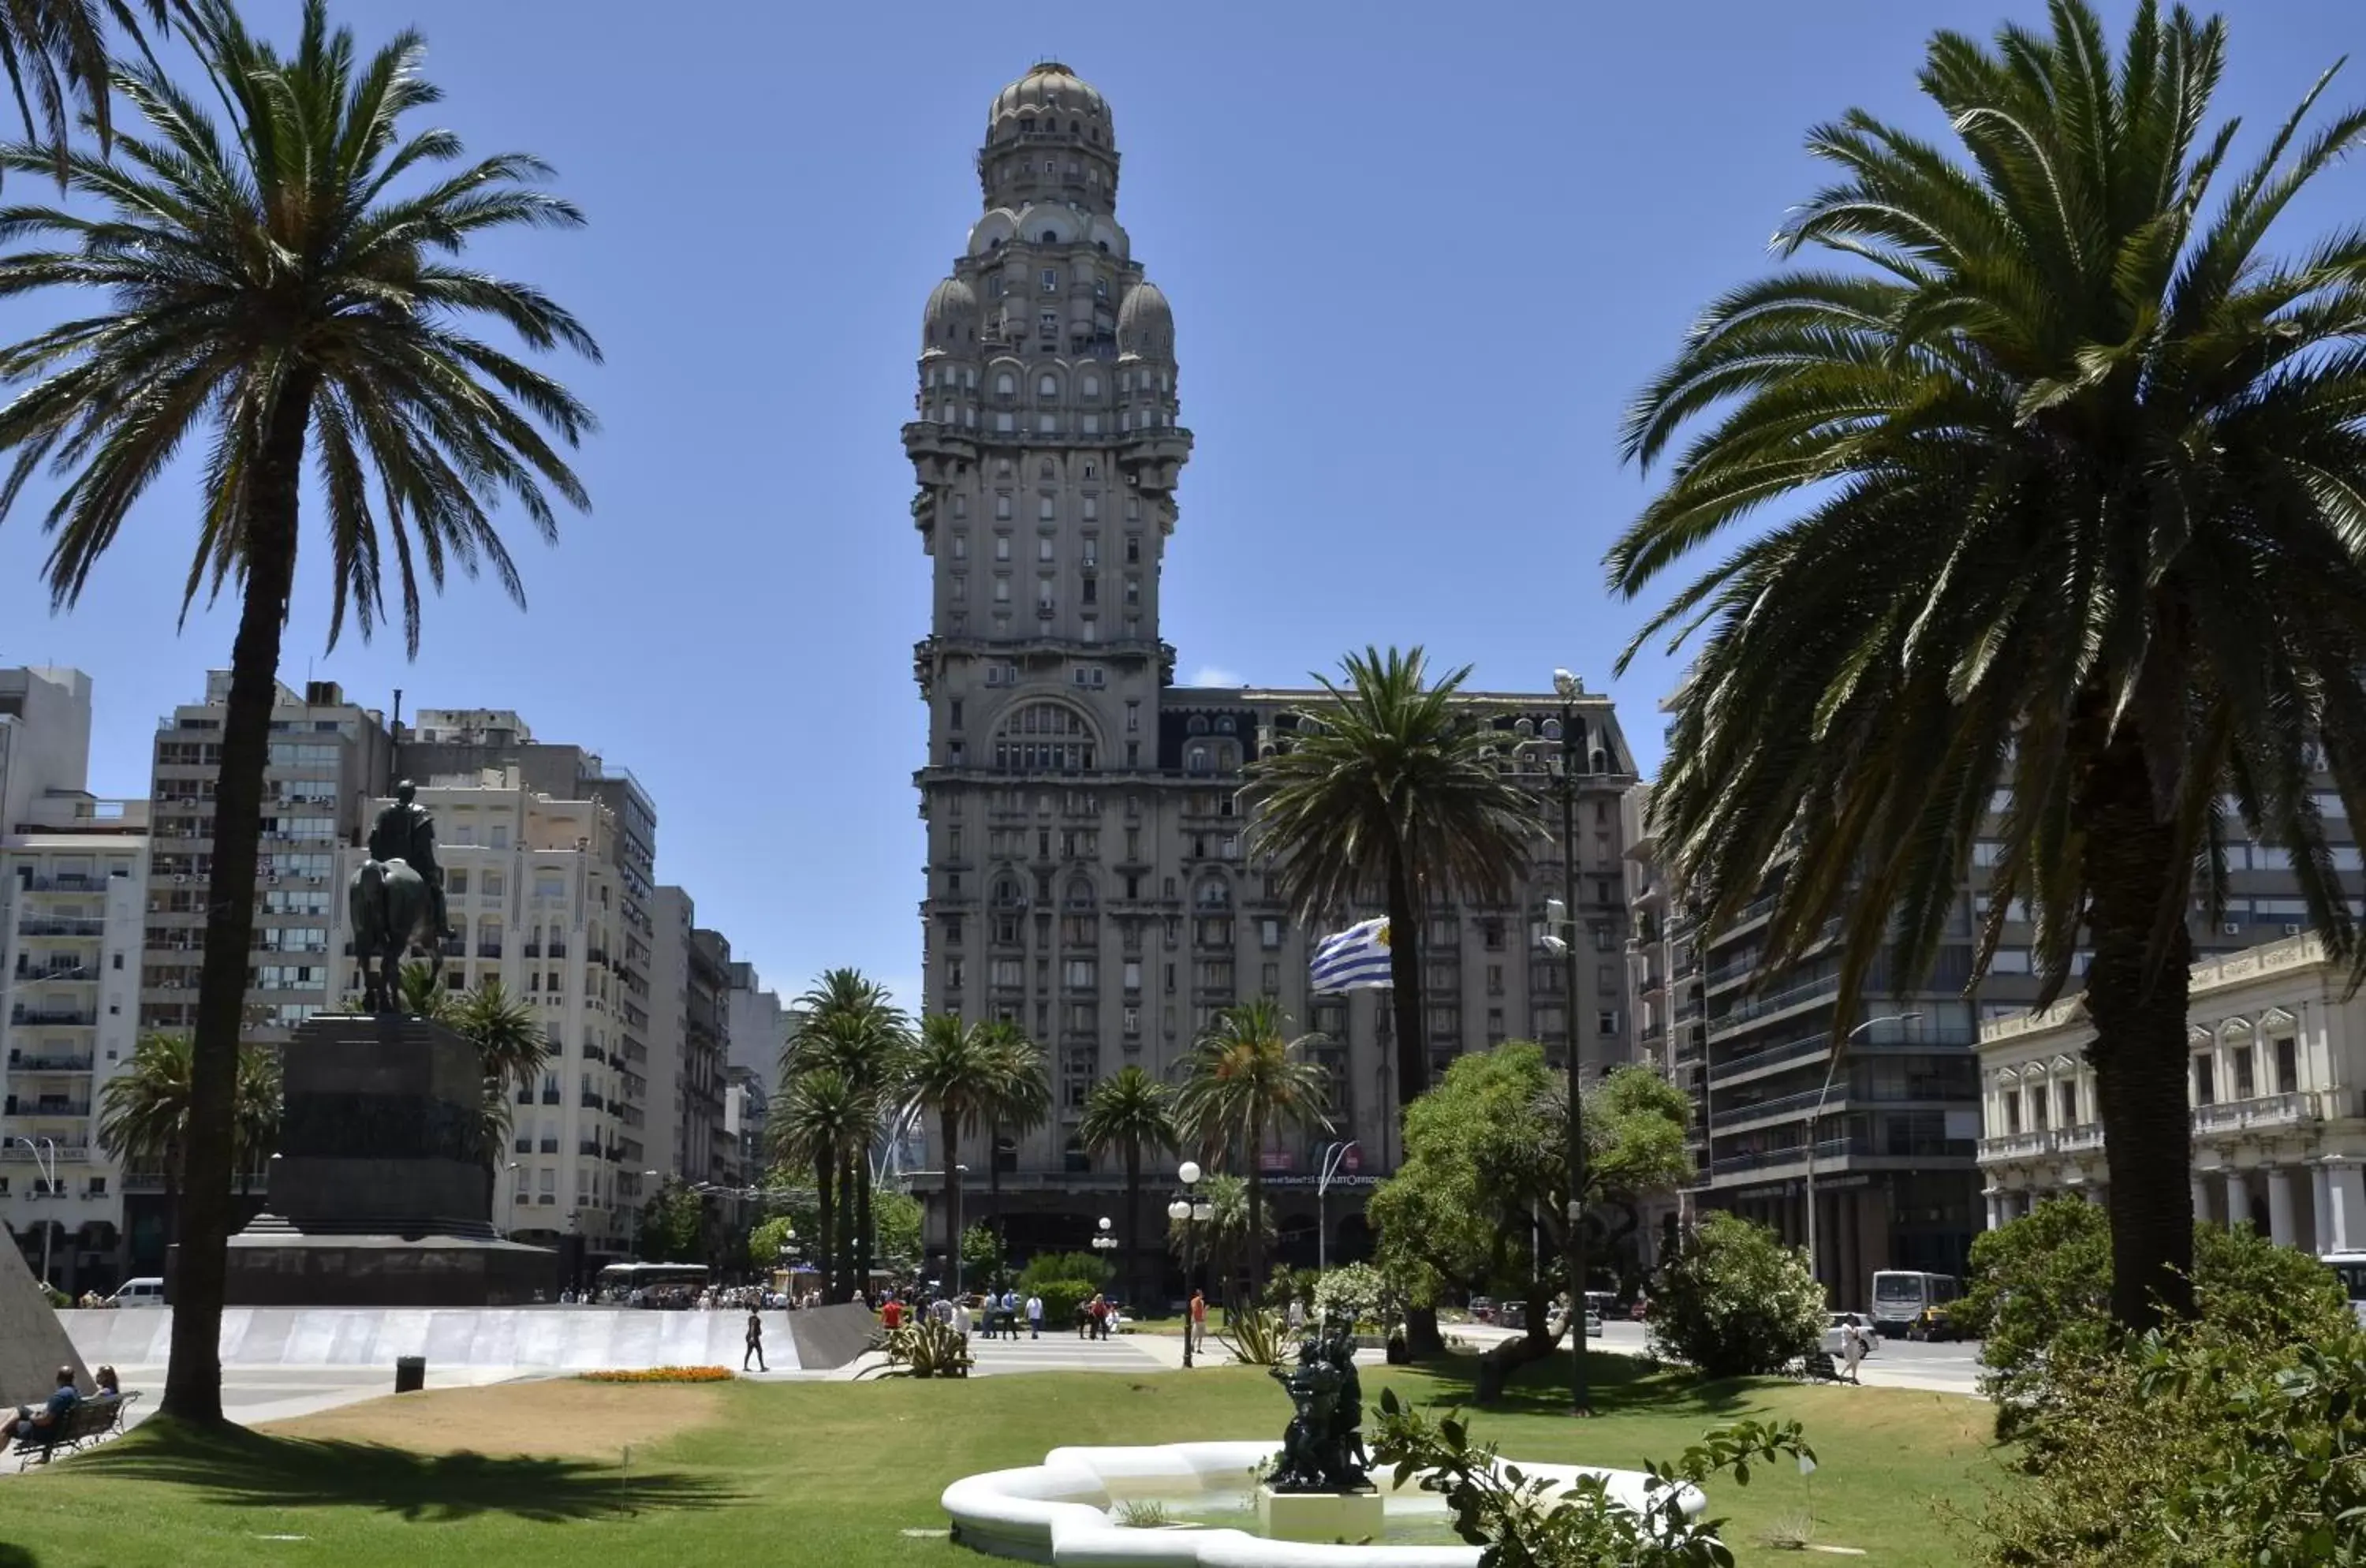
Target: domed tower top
{"x": 949, "y": 323}
{"x": 1050, "y": 137}
{"x": 1145, "y": 323}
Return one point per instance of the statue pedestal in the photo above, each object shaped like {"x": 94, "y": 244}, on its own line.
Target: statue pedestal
{"x": 1320, "y": 1517}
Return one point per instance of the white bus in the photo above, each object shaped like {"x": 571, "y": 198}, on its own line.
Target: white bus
{"x": 1899, "y": 1295}
{"x": 2351, "y": 1267}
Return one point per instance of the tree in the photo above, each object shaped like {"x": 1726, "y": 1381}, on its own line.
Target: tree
{"x": 954, "y": 1071}
{"x": 674, "y": 1225}
{"x": 1388, "y": 794}
{"x": 55, "y": 54}
{"x": 1244, "y": 1078}
{"x": 819, "y": 1116}
{"x": 1131, "y": 1112}
{"x": 1222, "y": 1242}
{"x": 896, "y": 1217}
{"x": 143, "y": 1113}
{"x": 982, "y": 1256}
{"x": 1735, "y": 1302}
{"x": 1020, "y": 1101}
{"x": 2077, "y": 478}
{"x": 849, "y": 1022}
{"x": 1478, "y": 1203}
{"x": 769, "y": 1241}
{"x": 271, "y": 297}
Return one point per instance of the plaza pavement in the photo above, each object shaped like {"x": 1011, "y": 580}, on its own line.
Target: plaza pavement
{"x": 1899, "y": 1363}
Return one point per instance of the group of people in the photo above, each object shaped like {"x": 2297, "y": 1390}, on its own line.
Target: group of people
{"x": 32, "y": 1425}
{"x": 996, "y": 1315}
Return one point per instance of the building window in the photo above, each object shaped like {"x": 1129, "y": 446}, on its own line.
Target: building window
{"x": 2204, "y": 1082}
{"x": 960, "y": 543}
{"x": 2287, "y": 1052}
{"x": 1051, "y": 281}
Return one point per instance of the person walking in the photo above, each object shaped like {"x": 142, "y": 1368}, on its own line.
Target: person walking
{"x": 1853, "y": 1349}
{"x": 1195, "y": 1324}
{"x": 754, "y": 1343}
{"x": 1034, "y": 1316}
{"x": 1100, "y": 1316}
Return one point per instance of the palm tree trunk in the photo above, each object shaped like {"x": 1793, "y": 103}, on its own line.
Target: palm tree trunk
{"x": 193, "y": 1380}
{"x": 824, "y": 1172}
{"x": 846, "y": 1228}
{"x": 1140, "y": 1284}
{"x": 1404, "y": 983}
{"x": 863, "y": 1221}
{"x": 2139, "y": 1052}
{"x": 993, "y": 1215}
{"x": 1254, "y": 1250}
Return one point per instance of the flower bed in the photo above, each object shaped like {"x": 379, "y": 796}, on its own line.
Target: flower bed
{"x": 663, "y": 1374}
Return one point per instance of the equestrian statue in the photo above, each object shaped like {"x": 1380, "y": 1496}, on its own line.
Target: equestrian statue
{"x": 397, "y": 901}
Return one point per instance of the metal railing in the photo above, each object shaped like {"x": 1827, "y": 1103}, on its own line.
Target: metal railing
{"x": 72, "y": 1018}
{"x": 38, "y": 1063}
{"x": 1759, "y": 1006}
{"x": 2261, "y": 1110}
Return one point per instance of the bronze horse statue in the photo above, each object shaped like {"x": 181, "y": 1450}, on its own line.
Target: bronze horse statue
{"x": 396, "y": 900}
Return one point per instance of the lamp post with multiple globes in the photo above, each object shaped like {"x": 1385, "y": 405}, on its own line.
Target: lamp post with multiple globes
{"x": 1190, "y": 1211}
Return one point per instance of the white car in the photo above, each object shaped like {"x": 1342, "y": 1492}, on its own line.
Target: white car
{"x": 146, "y": 1291}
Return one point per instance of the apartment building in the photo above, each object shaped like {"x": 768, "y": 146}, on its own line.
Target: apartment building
{"x": 329, "y": 761}
{"x": 1089, "y": 871}
{"x": 534, "y": 902}
{"x": 72, "y": 875}
{"x": 2276, "y": 1072}
{"x": 758, "y": 1024}
{"x": 466, "y": 742}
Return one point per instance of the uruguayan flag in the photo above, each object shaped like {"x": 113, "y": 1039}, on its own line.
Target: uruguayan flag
{"x": 1357, "y": 959}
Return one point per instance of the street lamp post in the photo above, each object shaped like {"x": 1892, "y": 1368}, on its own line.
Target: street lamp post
{"x": 48, "y": 1175}
{"x": 1815, "y": 1259}
{"x": 953, "y": 1225}
{"x": 1102, "y": 1240}
{"x": 500, "y": 1226}
{"x": 1563, "y": 933}
{"x": 1332, "y": 1155}
{"x": 1190, "y": 1211}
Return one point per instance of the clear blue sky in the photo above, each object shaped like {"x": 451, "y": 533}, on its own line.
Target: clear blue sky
{"x": 1419, "y": 257}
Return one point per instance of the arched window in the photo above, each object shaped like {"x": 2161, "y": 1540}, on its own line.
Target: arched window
{"x": 1224, "y": 725}
{"x": 1044, "y": 737}
{"x": 1092, "y": 386}
{"x": 1047, "y": 385}
{"x": 1196, "y": 725}
{"x": 1080, "y": 894}
{"x": 1198, "y": 760}
{"x": 1046, "y": 471}
{"x": 1008, "y": 893}
{"x": 1214, "y": 893}
{"x": 1005, "y": 384}
{"x": 1051, "y": 236}
{"x": 1072, "y": 128}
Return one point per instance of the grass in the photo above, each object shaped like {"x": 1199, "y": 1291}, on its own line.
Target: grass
{"x": 837, "y": 1472}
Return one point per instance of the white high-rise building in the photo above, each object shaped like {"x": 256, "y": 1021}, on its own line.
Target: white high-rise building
{"x": 535, "y": 897}
{"x": 73, "y": 870}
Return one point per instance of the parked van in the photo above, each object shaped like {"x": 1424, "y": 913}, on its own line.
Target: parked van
{"x": 1900, "y": 1296}
{"x": 2351, "y": 1267}
{"x": 145, "y": 1291}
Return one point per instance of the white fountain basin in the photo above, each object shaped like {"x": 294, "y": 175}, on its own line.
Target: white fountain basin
{"x": 1058, "y": 1511}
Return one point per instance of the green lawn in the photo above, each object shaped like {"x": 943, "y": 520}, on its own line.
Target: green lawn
{"x": 834, "y": 1474}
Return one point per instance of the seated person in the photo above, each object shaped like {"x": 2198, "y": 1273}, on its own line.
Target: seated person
{"x": 28, "y": 1425}
{"x": 110, "y": 1388}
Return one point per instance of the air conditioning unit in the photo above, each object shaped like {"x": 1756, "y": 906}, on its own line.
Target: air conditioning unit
{"x": 2232, "y": 928}
{"x": 180, "y": 876}
{"x": 2292, "y": 928}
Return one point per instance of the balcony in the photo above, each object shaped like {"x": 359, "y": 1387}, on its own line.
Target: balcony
{"x": 489, "y": 950}
{"x": 2078, "y": 1139}
{"x": 2017, "y": 1145}
{"x": 68, "y": 1154}
{"x": 550, "y": 1146}
{"x": 1803, "y": 995}
{"x": 43, "y": 1108}
{"x": 1795, "y": 1156}
{"x": 54, "y": 1018}
{"x": 2265, "y": 1111}
{"x": 51, "y": 925}
{"x": 590, "y": 1100}
{"x": 589, "y": 1147}
{"x": 52, "y": 1062}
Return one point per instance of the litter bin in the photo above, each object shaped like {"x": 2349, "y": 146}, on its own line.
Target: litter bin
{"x": 410, "y": 1373}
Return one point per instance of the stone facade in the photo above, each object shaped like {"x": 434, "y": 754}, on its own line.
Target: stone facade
{"x": 2277, "y": 1077}
{"x": 1090, "y": 875}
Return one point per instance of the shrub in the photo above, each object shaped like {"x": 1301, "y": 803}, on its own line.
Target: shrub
{"x": 2039, "y": 1294}
{"x": 1736, "y": 1302}
{"x": 924, "y": 1349}
{"x": 1046, "y": 1266}
{"x": 1355, "y": 1292}
{"x": 1062, "y": 1298}
{"x": 663, "y": 1374}
{"x": 1258, "y": 1337}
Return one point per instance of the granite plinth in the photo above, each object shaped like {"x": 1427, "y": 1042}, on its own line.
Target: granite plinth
{"x": 379, "y": 1194}
{"x": 292, "y": 1268}
{"x": 1319, "y": 1517}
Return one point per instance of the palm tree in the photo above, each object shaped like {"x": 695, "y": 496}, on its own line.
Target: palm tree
{"x": 819, "y": 1119}
{"x": 54, "y": 53}
{"x": 510, "y": 1049}
{"x": 1021, "y": 1102}
{"x": 850, "y": 1021}
{"x": 1223, "y": 1239}
{"x": 955, "y": 1070}
{"x": 1132, "y": 1112}
{"x": 270, "y": 298}
{"x": 2078, "y": 482}
{"x": 143, "y": 1116}
{"x": 1243, "y": 1078}
{"x": 1389, "y": 794}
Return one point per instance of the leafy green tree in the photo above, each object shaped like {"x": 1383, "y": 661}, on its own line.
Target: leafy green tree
{"x": 143, "y": 1112}
{"x": 1244, "y": 1078}
{"x": 768, "y": 1242}
{"x": 271, "y": 297}
{"x": 1388, "y": 794}
{"x": 895, "y": 1216}
{"x": 2075, "y": 481}
{"x": 1357, "y": 1293}
{"x": 1735, "y": 1301}
{"x": 674, "y": 1225}
{"x": 1132, "y": 1112}
{"x": 955, "y": 1071}
{"x": 982, "y": 1259}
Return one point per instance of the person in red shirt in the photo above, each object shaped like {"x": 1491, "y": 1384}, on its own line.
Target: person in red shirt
{"x": 890, "y": 1313}
{"x": 1197, "y": 1327}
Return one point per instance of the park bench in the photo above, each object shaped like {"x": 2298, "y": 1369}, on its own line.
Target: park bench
{"x": 91, "y": 1421}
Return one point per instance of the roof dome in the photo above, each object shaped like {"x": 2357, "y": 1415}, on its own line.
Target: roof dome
{"x": 1050, "y": 88}
{"x": 949, "y": 322}
{"x": 1145, "y": 323}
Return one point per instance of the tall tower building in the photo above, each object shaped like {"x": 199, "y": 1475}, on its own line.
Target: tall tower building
{"x": 1089, "y": 875}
